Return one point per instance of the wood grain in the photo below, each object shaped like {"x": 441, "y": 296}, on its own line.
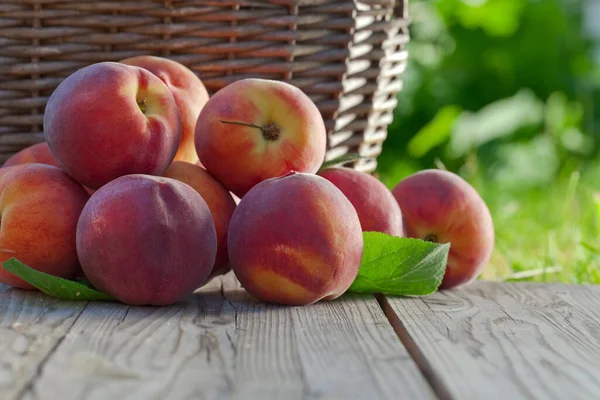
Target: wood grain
{"x": 338, "y": 349}
{"x": 509, "y": 341}
{"x": 222, "y": 344}
{"x": 31, "y": 327}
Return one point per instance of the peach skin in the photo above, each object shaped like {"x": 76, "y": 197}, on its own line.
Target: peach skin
{"x": 190, "y": 96}
{"x": 377, "y": 208}
{"x": 146, "y": 240}
{"x": 36, "y": 153}
{"x": 440, "y": 206}
{"x": 295, "y": 240}
{"x": 109, "y": 119}
{"x": 219, "y": 201}
{"x": 255, "y": 129}
{"x": 39, "y": 206}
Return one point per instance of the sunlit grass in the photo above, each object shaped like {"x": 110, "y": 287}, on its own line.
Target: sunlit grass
{"x": 551, "y": 233}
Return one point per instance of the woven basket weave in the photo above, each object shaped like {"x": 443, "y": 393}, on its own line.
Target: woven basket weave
{"x": 347, "y": 55}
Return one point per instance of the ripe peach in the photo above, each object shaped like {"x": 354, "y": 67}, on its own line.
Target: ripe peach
{"x": 39, "y": 208}
{"x": 190, "y": 96}
{"x": 377, "y": 209}
{"x": 37, "y": 153}
{"x": 146, "y": 240}
{"x": 440, "y": 206}
{"x": 255, "y": 129}
{"x": 295, "y": 240}
{"x": 109, "y": 119}
{"x": 219, "y": 202}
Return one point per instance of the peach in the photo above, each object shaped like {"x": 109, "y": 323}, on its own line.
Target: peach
{"x": 256, "y": 129}
{"x": 440, "y": 206}
{"x": 39, "y": 207}
{"x": 37, "y": 153}
{"x": 219, "y": 202}
{"x": 109, "y": 119}
{"x": 190, "y": 96}
{"x": 146, "y": 240}
{"x": 375, "y": 205}
{"x": 295, "y": 240}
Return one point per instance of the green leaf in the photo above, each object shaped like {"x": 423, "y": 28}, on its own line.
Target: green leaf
{"x": 400, "y": 266}
{"x": 340, "y": 160}
{"x": 52, "y": 285}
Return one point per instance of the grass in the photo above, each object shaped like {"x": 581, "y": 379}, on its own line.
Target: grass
{"x": 547, "y": 234}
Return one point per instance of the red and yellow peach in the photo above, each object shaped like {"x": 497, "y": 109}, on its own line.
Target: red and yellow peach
{"x": 256, "y": 129}
{"x": 109, "y": 119}
{"x": 295, "y": 240}
{"x": 39, "y": 206}
{"x": 440, "y": 206}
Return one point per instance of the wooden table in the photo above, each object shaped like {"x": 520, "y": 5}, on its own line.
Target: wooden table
{"x": 486, "y": 341}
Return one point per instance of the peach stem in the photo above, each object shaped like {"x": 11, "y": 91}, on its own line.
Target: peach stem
{"x": 142, "y": 104}
{"x": 270, "y": 132}
{"x": 430, "y": 238}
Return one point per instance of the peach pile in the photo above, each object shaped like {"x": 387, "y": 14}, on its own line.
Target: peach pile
{"x": 150, "y": 188}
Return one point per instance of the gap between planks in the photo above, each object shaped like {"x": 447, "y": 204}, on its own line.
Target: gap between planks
{"x": 430, "y": 375}
{"x": 497, "y": 340}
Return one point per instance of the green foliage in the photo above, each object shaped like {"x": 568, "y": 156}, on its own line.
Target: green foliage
{"x": 497, "y": 120}
{"x": 491, "y": 83}
{"x": 505, "y": 93}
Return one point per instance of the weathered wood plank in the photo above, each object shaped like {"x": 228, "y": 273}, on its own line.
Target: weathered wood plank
{"x": 223, "y": 344}
{"x": 337, "y": 349}
{"x": 508, "y": 341}
{"x": 31, "y": 327}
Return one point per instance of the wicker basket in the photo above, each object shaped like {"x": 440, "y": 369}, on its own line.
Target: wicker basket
{"x": 347, "y": 55}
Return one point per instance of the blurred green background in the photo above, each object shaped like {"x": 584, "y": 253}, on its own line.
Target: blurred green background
{"x": 506, "y": 93}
